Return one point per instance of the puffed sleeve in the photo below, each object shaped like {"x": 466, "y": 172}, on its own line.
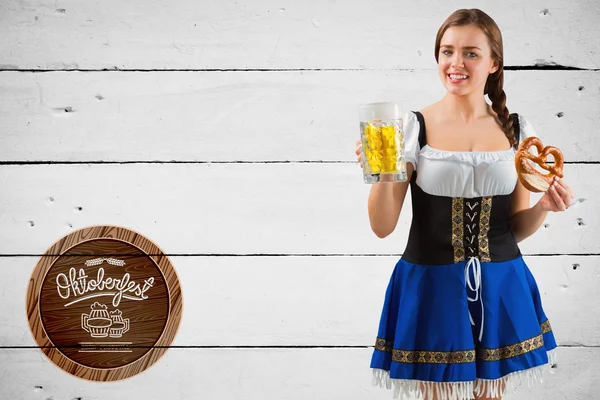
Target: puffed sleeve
{"x": 410, "y": 128}
{"x": 525, "y": 128}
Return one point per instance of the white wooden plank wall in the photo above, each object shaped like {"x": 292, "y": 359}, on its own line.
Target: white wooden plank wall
{"x": 237, "y": 122}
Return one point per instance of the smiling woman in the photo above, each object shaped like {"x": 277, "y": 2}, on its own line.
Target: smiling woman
{"x": 475, "y": 53}
{"x": 462, "y": 315}
{"x": 464, "y": 53}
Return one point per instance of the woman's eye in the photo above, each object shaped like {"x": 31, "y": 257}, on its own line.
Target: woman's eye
{"x": 446, "y": 52}
{"x": 472, "y": 55}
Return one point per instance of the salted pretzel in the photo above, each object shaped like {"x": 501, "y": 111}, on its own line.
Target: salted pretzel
{"x": 530, "y": 177}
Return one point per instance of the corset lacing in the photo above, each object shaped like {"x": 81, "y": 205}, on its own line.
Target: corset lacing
{"x": 474, "y": 265}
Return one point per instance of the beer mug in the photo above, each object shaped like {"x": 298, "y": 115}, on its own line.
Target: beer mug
{"x": 382, "y": 143}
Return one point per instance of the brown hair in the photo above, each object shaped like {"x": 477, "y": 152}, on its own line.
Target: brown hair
{"x": 494, "y": 86}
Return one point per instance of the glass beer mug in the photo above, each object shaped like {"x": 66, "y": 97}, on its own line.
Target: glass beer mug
{"x": 382, "y": 143}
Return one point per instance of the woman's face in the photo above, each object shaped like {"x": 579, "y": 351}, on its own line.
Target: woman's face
{"x": 464, "y": 60}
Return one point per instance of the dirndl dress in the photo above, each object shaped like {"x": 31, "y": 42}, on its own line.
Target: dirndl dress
{"x": 462, "y": 313}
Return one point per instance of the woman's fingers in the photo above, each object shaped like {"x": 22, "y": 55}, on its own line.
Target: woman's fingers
{"x": 564, "y": 191}
{"x": 559, "y": 202}
{"x": 562, "y": 183}
{"x": 358, "y": 152}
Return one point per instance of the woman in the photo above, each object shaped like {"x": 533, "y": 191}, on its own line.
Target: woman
{"x": 462, "y": 315}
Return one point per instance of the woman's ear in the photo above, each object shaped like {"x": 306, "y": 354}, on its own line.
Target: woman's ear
{"x": 494, "y": 67}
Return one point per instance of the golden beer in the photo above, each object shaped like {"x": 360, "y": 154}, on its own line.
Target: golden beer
{"x": 382, "y": 143}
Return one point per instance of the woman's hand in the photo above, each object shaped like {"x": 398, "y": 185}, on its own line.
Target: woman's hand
{"x": 358, "y": 152}
{"x": 558, "y": 197}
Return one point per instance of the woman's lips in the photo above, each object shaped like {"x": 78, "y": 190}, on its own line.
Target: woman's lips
{"x": 457, "y": 81}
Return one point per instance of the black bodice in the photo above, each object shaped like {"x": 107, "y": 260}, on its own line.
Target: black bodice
{"x": 446, "y": 230}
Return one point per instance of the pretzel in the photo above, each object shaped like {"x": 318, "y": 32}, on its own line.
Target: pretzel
{"x": 531, "y": 178}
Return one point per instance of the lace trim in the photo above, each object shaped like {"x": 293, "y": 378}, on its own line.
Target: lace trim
{"x": 433, "y": 357}
{"x": 457, "y": 229}
{"x": 464, "y": 356}
{"x": 409, "y": 389}
{"x": 471, "y": 157}
{"x": 484, "y": 229}
{"x": 511, "y": 351}
{"x": 545, "y": 327}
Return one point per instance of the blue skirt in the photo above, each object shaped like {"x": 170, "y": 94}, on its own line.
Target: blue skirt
{"x": 460, "y": 329}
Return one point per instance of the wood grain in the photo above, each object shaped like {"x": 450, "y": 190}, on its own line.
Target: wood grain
{"x": 262, "y": 81}
{"x": 312, "y": 301}
{"x": 290, "y": 374}
{"x": 270, "y": 34}
{"x": 254, "y": 116}
{"x": 61, "y": 307}
{"x": 242, "y": 208}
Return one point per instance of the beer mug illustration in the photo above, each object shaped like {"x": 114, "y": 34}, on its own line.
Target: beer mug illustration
{"x": 98, "y": 322}
{"x": 119, "y": 325}
{"x": 382, "y": 143}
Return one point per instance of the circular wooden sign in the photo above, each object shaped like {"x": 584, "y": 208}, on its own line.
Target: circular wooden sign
{"x": 104, "y": 303}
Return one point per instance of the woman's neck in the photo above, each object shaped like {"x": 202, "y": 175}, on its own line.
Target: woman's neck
{"x": 467, "y": 107}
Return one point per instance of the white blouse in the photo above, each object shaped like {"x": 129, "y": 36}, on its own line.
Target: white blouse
{"x": 461, "y": 173}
